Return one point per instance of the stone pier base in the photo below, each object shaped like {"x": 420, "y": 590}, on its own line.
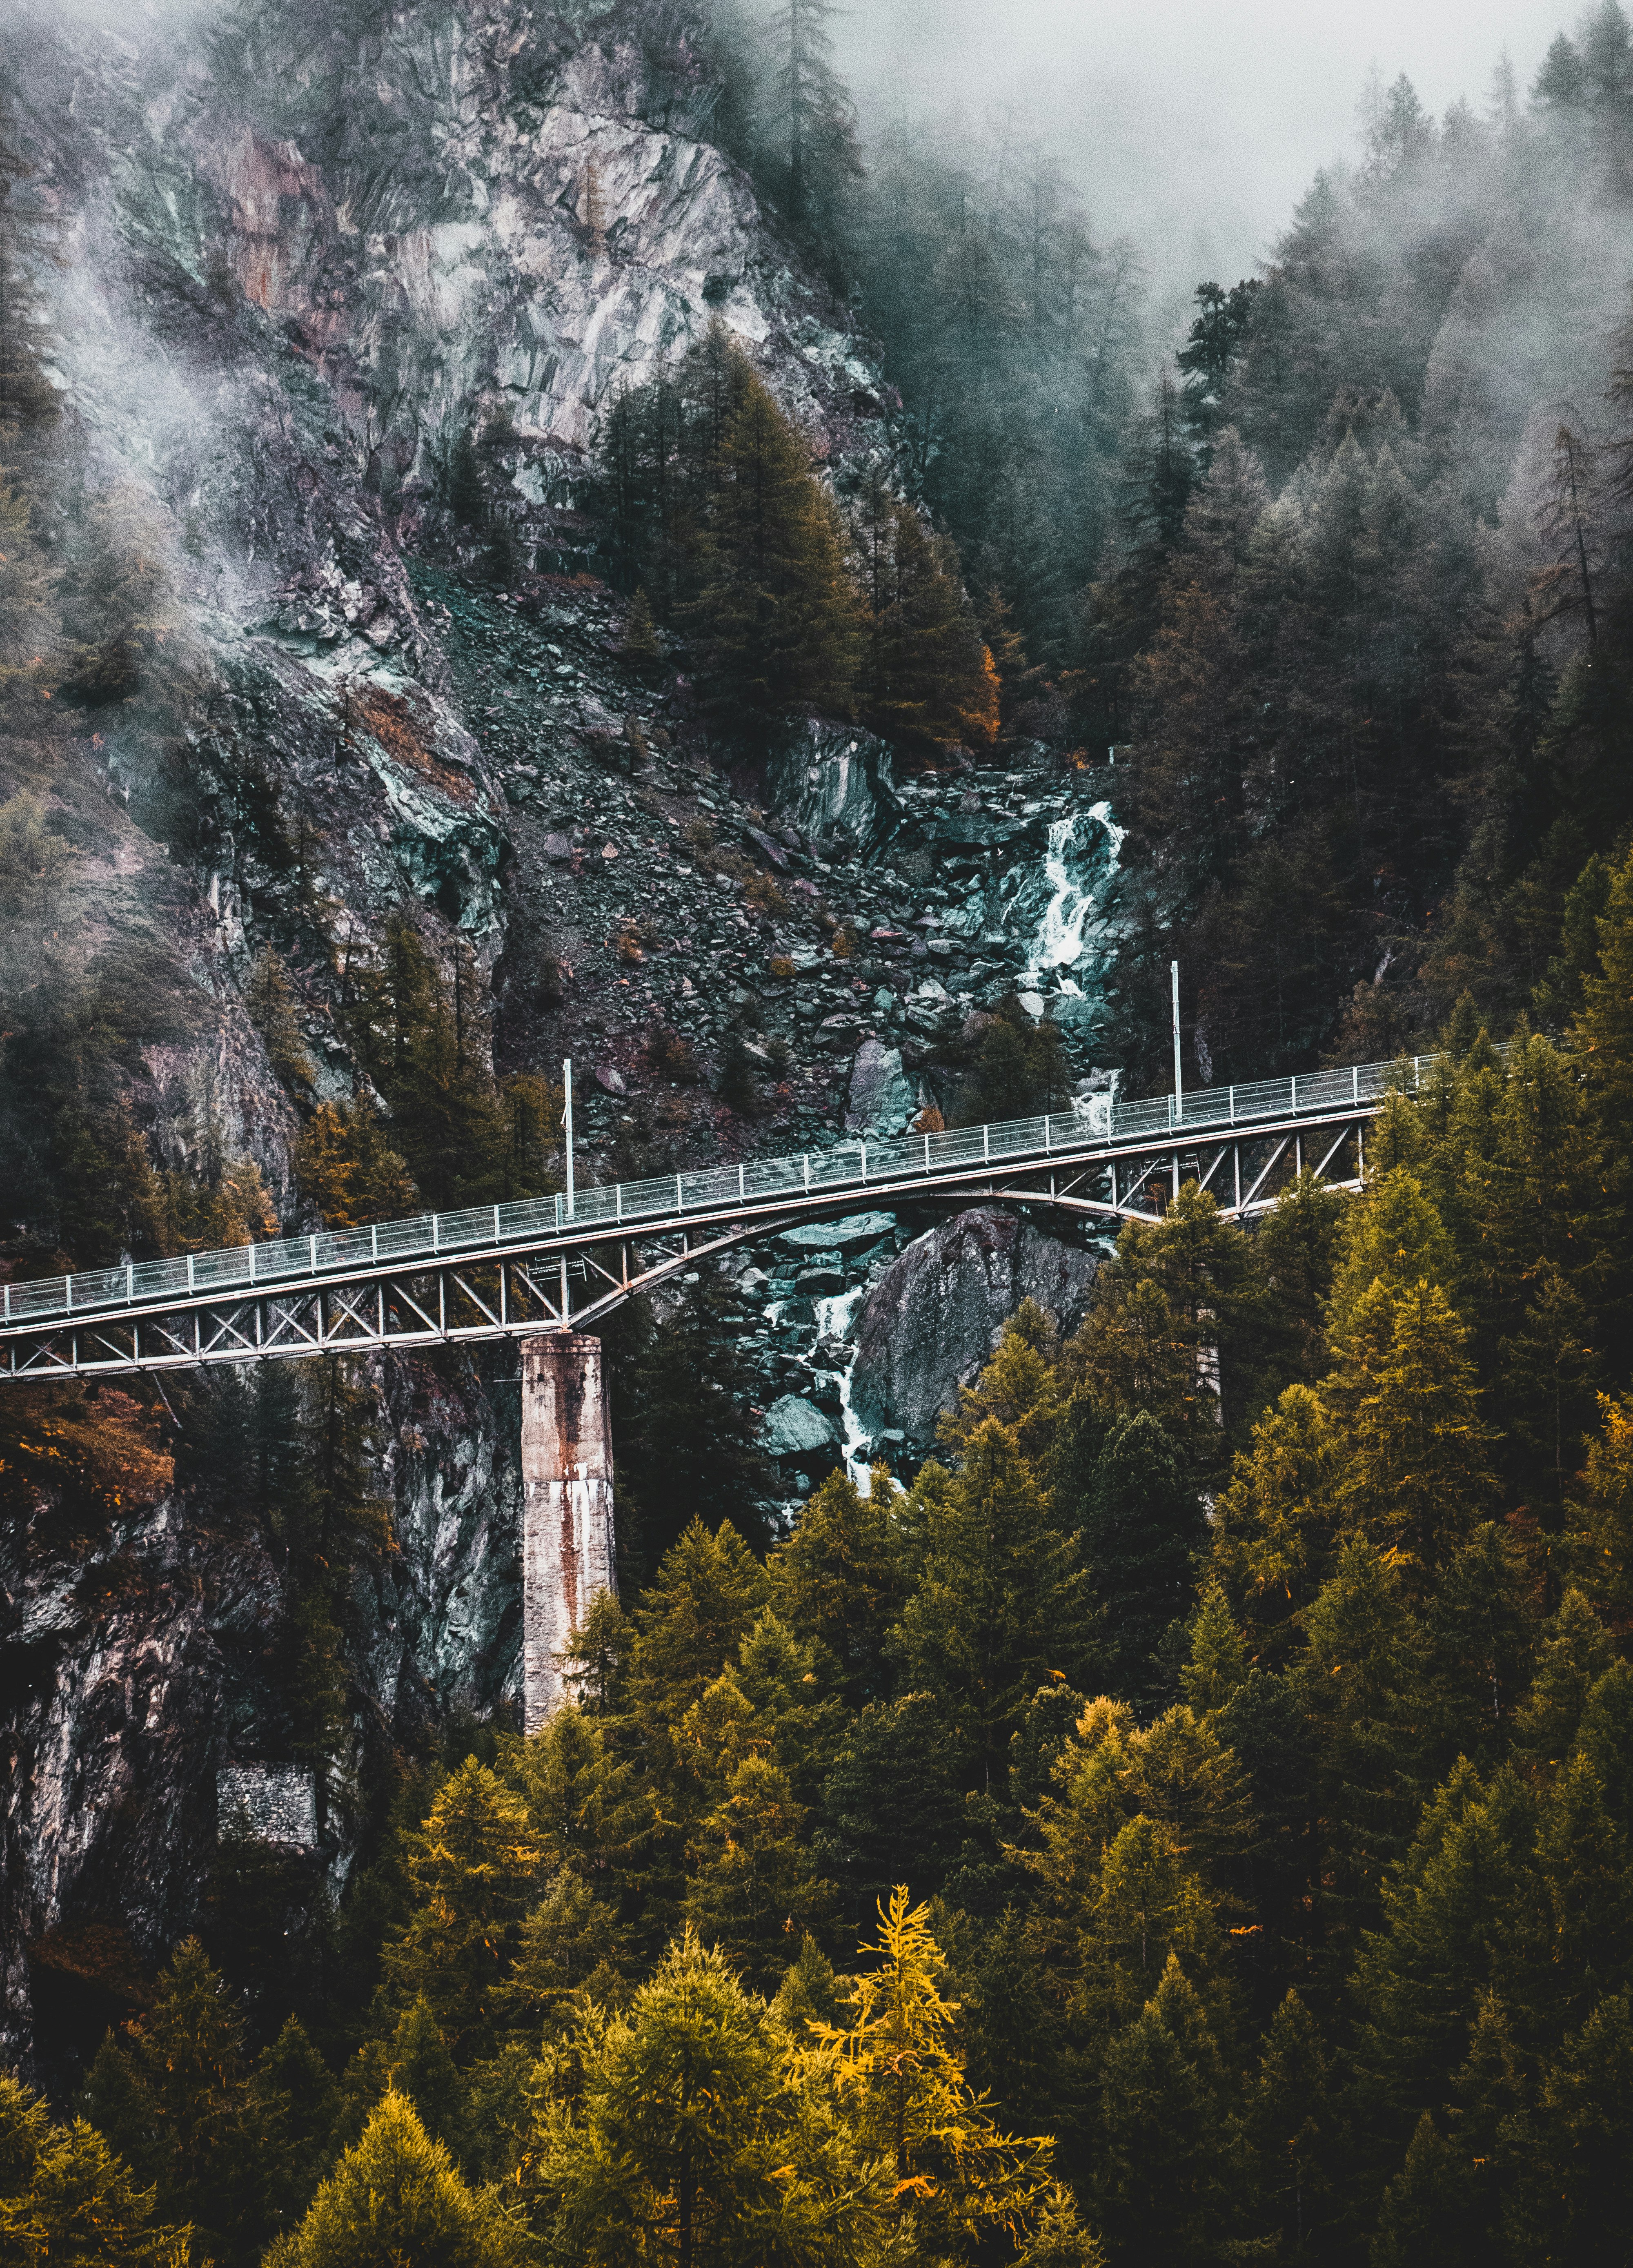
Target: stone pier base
{"x": 567, "y": 1505}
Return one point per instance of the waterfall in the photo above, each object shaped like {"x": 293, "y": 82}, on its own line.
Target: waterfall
{"x": 1058, "y": 945}
{"x": 833, "y": 1319}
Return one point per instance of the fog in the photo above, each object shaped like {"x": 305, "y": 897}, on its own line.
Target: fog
{"x": 1191, "y": 125}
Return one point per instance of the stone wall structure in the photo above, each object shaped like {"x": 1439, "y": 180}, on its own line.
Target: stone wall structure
{"x": 568, "y": 1546}
{"x": 276, "y": 1803}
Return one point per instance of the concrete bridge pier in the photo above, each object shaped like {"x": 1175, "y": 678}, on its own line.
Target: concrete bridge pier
{"x": 568, "y": 1552}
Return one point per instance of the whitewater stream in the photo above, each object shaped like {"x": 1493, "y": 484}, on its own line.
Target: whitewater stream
{"x": 1058, "y": 946}
{"x": 834, "y": 1317}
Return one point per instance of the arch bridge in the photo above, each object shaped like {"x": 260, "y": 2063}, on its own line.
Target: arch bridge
{"x": 552, "y": 1264}
{"x": 543, "y": 1271}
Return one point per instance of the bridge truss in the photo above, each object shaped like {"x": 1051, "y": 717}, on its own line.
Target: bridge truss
{"x": 512, "y": 1270}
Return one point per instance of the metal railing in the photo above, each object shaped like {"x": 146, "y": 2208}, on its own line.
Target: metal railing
{"x": 907, "y": 1159}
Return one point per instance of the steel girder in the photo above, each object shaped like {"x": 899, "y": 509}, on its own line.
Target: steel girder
{"x": 568, "y": 1282}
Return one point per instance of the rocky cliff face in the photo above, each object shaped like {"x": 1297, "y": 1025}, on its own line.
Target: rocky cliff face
{"x": 308, "y": 264}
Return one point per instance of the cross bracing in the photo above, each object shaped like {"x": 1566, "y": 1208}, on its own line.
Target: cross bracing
{"x": 507, "y": 1270}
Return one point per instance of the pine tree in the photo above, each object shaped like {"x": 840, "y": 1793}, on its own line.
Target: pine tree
{"x": 172, "y": 2099}
{"x": 473, "y": 1867}
{"x": 1427, "y": 2216}
{"x": 837, "y": 1579}
{"x": 775, "y": 616}
{"x": 1001, "y": 1600}
{"x": 1394, "y": 1236}
{"x": 1019, "y": 1388}
{"x": 269, "y": 1002}
{"x": 1414, "y": 1470}
{"x": 420, "y": 2069}
{"x": 1569, "y": 2201}
{"x": 397, "y": 2196}
{"x": 1360, "y": 1683}
{"x": 686, "y": 1444}
{"x": 930, "y": 674}
{"x": 751, "y": 1891}
{"x": 814, "y": 111}
{"x": 571, "y": 1946}
{"x": 641, "y": 646}
{"x": 586, "y": 1810}
{"x": 1142, "y": 1527}
{"x": 65, "y": 2196}
{"x": 1481, "y": 1634}
{"x": 1159, "y": 2164}
{"x": 1453, "y": 1931}
{"x": 693, "y": 2138}
{"x": 347, "y": 1169}
{"x": 1573, "y": 1652}
{"x": 294, "y": 2103}
{"x": 902, "y": 2080}
{"x": 1013, "y": 2031}
{"x": 1605, "y": 1737}
{"x": 691, "y": 1620}
{"x": 892, "y": 1807}
{"x": 1292, "y": 2124}
{"x": 1060, "y": 2239}
{"x": 1277, "y": 1522}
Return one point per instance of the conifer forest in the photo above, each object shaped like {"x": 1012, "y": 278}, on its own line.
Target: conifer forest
{"x": 539, "y": 535}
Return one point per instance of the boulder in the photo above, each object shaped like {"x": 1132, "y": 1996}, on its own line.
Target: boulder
{"x": 838, "y": 1235}
{"x": 882, "y": 1100}
{"x": 792, "y": 1427}
{"x": 934, "y": 1316}
{"x": 827, "y": 777}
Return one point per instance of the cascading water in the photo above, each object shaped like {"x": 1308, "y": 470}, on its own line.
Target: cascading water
{"x": 834, "y": 1318}
{"x": 1058, "y": 945}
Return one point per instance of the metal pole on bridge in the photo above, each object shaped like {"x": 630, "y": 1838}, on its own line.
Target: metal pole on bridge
{"x": 567, "y": 1124}
{"x": 1179, "y": 1076}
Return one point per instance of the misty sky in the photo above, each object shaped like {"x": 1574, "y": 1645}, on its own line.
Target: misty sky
{"x": 1192, "y": 125}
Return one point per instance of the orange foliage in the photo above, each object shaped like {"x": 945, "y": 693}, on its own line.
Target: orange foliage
{"x": 59, "y": 1440}
{"x": 980, "y": 717}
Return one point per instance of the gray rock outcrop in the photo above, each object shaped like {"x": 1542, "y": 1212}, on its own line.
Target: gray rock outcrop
{"x": 834, "y": 779}
{"x": 883, "y": 1100}
{"x": 935, "y": 1316}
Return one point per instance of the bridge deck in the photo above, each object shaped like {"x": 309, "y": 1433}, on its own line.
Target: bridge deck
{"x": 907, "y": 1165}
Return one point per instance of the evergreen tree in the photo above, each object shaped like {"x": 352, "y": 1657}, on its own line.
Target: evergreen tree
{"x": 348, "y": 1170}
{"x": 1360, "y": 1684}
{"x": 396, "y": 2196}
{"x": 569, "y": 1947}
{"x": 1415, "y": 1470}
{"x": 1427, "y": 2213}
{"x": 472, "y": 1866}
{"x": 1292, "y": 2124}
{"x": 929, "y": 674}
{"x": 751, "y": 1891}
{"x": 891, "y": 1806}
{"x": 1000, "y": 1601}
{"x": 686, "y": 1446}
{"x": 902, "y": 2080}
{"x": 294, "y": 2104}
{"x": 65, "y": 2196}
{"x": 1570, "y": 2198}
{"x": 1143, "y": 1525}
{"x": 693, "y": 2138}
{"x": 774, "y": 615}
{"x": 172, "y": 2098}
{"x": 692, "y": 1619}
{"x": 1014, "y": 2033}
{"x": 836, "y": 1580}
{"x": 814, "y": 111}
{"x": 1160, "y": 2167}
